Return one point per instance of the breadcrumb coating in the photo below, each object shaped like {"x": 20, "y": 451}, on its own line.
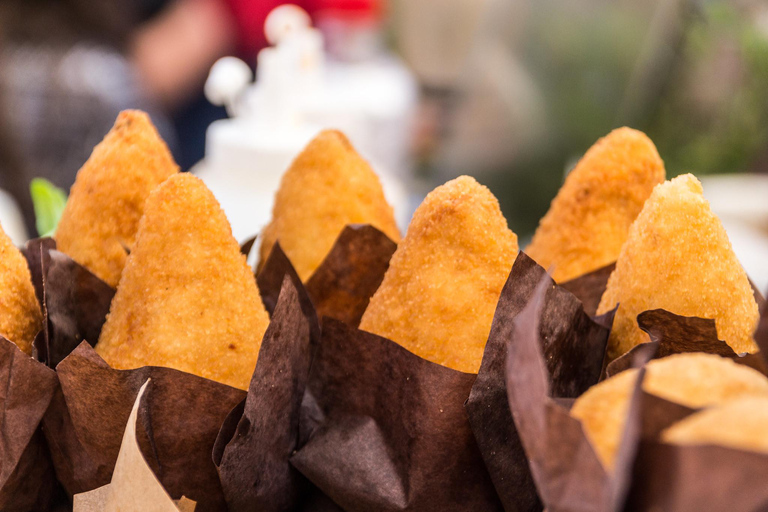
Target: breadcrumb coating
{"x": 589, "y": 219}
{"x": 439, "y": 294}
{"x": 20, "y": 315}
{"x": 327, "y": 187}
{"x": 678, "y": 257}
{"x": 106, "y": 202}
{"x": 741, "y": 424}
{"x": 693, "y": 379}
{"x": 187, "y": 298}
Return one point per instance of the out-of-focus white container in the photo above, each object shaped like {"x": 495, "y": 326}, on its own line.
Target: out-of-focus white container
{"x": 297, "y": 93}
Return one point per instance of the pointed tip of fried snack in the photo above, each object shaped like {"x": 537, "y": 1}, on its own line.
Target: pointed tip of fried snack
{"x": 20, "y": 317}
{"x": 678, "y": 257}
{"x": 328, "y": 186}
{"x": 107, "y": 200}
{"x": 590, "y": 217}
{"x": 741, "y": 424}
{"x": 693, "y": 379}
{"x": 439, "y": 294}
{"x": 187, "y": 299}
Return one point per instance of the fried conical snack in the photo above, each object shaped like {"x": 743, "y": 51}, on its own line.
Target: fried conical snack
{"x": 694, "y": 380}
{"x": 187, "y": 299}
{"x": 106, "y": 202}
{"x": 439, "y": 294}
{"x": 20, "y": 316}
{"x": 741, "y": 424}
{"x": 678, "y": 258}
{"x": 327, "y": 187}
{"x": 588, "y": 221}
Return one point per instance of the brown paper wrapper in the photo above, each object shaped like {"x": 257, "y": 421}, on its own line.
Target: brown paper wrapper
{"x": 134, "y": 486}
{"x": 178, "y": 426}
{"x": 386, "y": 430}
{"x": 590, "y": 287}
{"x": 74, "y": 301}
{"x": 575, "y": 349}
{"x": 705, "y": 478}
{"x": 345, "y": 281}
{"x": 677, "y": 334}
{"x": 26, "y": 476}
{"x": 253, "y": 446}
{"x": 567, "y": 472}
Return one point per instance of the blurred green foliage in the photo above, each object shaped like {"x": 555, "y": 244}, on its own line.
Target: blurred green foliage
{"x": 49, "y": 202}
{"x": 693, "y": 74}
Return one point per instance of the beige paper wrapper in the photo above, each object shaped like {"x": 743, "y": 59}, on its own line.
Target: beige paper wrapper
{"x": 134, "y": 485}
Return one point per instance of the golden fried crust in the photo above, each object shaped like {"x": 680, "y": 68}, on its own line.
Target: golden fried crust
{"x": 741, "y": 424}
{"x": 327, "y": 187}
{"x": 602, "y": 411}
{"x": 187, "y": 299}
{"x": 694, "y": 380}
{"x": 440, "y": 292}
{"x": 20, "y": 316}
{"x": 107, "y": 199}
{"x": 589, "y": 219}
{"x": 678, "y": 258}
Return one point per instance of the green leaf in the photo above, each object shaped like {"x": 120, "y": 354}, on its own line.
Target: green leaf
{"x": 49, "y": 201}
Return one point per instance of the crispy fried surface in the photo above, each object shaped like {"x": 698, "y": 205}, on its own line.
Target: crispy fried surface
{"x": 107, "y": 199}
{"x": 694, "y": 380}
{"x": 678, "y": 257}
{"x": 327, "y": 187}
{"x": 440, "y": 292}
{"x": 589, "y": 219}
{"x": 20, "y": 316}
{"x": 187, "y": 299}
{"x": 741, "y": 424}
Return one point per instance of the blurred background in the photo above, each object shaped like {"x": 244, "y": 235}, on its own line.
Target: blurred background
{"x": 512, "y": 92}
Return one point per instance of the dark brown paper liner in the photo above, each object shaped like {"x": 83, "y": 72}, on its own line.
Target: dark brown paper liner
{"x": 669, "y": 477}
{"x": 253, "y": 446}
{"x": 345, "y": 281}
{"x": 179, "y": 420}
{"x": 677, "y": 334}
{"x": 567, "y": 471}
{"x": 701, "y": 478}
{"x": 387, "y": 430}
{"x": 26, "y": 476}
{"x": 577, "y": 350}
{"x": 74, "y": 301}
{"x": 590, "y": 287}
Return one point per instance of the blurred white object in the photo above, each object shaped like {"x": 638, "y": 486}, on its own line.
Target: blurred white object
{"x": 12, "y": 220}
{"x": 227, "y": 79}
{"x": 740, "y": 202}
{"x": 297, "y": 93}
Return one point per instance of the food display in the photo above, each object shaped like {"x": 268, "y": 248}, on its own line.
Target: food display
{"x": 358, "y": 370}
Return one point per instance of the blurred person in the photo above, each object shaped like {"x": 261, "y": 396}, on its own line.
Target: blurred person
{"x": 67, "y": 67}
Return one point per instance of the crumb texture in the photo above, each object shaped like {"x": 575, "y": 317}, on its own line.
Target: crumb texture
{"x": 187, "y": 298}
{"x": 589, "y": 219}
{"x": 678, "y": 257}
{"x": 439, "y": 294}
{"x": 328, "y": 186}
{"x": 20, "y": 315}
{"x": 695, "y": 380}
{"x": 106, "y": 202}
